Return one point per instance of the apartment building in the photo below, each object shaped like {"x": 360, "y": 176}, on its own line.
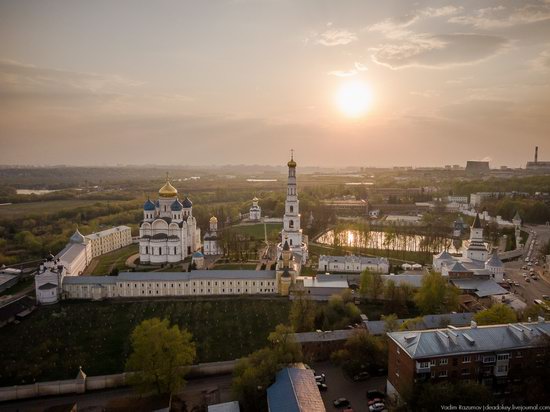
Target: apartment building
{"x": 496, "y": 355}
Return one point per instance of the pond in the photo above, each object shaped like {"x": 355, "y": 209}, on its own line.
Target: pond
{"x": 386, "y": 240}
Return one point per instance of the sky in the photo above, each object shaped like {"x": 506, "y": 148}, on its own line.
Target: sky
{"x": 174, "y": 82}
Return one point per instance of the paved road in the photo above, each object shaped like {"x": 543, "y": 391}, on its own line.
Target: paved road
{"x": 534, "y": 289}
{"x": 339, "y": 385}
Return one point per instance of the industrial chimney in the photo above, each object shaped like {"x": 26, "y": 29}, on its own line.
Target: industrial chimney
{"x": 536, "y": 153}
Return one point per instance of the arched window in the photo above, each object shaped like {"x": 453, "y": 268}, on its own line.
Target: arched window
{"x": 290, "y": 242}
{"x": 291, "y": 209}
{"x": 291, "y": 224}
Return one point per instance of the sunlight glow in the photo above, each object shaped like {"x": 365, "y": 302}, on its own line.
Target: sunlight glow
{"x": 354, "y": 98}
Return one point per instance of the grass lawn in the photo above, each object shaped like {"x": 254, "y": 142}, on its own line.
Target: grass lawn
{"x": 54, "y": 340}
{"x": 257, "y": 230}
{"x": 235, "y": 266}
{"x": 18, "y": 210}
{"x": 117, "y": 259}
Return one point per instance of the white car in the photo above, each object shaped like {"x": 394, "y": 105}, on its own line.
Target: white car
{"x": 376, "y": 407}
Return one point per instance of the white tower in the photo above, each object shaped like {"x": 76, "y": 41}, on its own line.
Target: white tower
{"x": 291, "y": 221}
{"x": 477, "y": 249}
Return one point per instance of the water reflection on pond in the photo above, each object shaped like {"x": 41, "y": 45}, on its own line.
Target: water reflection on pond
{"x": 388, "y": 240}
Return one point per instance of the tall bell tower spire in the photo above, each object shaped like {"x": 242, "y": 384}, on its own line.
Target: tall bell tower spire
{"x": 292, "y": 232}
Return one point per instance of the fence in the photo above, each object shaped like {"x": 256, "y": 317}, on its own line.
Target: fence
{"x": 83, "y": 383}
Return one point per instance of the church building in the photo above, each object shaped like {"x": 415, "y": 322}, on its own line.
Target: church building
{"x": 292, "y": 232}
{"x": 255, "y": 212}
{"x": 168, "y": 232}
{"x": 211, "y": 240}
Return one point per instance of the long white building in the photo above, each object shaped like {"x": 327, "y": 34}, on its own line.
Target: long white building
{"x": 80, "y": 250}
{"x": 352, "y": 264}
{"x": 148, "y": 284}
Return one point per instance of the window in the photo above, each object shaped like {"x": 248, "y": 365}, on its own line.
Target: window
{"x": 502, "y": 368}
{"x": 443, "y": 374}
{"x": 489, "y": 359}
{"x": 465, "y": 371}
{"x": 432, "y": 362}
{"x": 518, "y": 354}
{"x": 466, "y": 359}
{"x": 503, "y": 356}
{"x": 423, "y": 364}
{"x": 291, "y": 209}
{"x": 291, "y": 224}
{"x": 443, "y": 361}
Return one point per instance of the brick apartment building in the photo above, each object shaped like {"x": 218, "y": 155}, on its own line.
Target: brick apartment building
{"x": 496, "y": 355}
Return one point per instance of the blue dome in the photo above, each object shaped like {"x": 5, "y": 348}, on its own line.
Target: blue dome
{"x": 187, "y": 203}
{"x": 198, "y": 254}
{"x": 149, "y": 205}
{"x": 176, "y": 206}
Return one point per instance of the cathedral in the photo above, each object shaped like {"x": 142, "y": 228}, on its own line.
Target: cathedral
{"x": 168, "y": 232}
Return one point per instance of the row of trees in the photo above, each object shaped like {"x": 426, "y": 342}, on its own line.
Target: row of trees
{"x": 436, "y": 294}
{"x": 307, "y": 315}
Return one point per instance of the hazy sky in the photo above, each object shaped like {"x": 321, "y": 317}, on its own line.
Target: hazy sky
{"x": 230, "y": 82}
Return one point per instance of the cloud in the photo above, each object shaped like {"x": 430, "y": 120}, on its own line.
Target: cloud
{"x": 436, "y": 51}
{"x": 54, "y": 89}
{"x": 396, "y": 27}
{"x": 542, "y": 61}
{"x": 501, "y": 17}
{"x": 333, "y": 37}
{"x": 357, "y": 67}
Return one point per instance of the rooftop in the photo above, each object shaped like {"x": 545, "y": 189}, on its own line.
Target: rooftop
{"x": 453, "y": 341}
{"x": 294, "y": 390}
{"x": 324, "y": 281}
{"x": 173, "y": 276}
{"x": 481, "y": 287}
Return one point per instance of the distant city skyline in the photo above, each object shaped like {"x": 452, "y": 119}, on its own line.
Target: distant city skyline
{"x": 359, "y": 83}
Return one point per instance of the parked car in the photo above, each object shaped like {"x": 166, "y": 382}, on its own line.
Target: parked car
{"x": 320, "y": 378}
{"x": 361, "y": 376}
{"x": 546, "y": 297}
{"x": 528, "y": 280}
{"x": 341, "y": 403}
{"x": 322, "y": 386}
{"x": 376, "y": 407}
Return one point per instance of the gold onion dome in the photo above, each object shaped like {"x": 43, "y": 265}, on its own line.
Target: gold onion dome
{"x": 291, "y": 162}
{"x": 213, "y": 219}
{"x": 168, "y": 190}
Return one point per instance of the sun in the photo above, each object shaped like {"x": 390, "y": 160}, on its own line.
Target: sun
{"x": 354, "y": 98}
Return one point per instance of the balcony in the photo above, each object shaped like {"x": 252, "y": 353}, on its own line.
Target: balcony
{"x": 422, "y": 367}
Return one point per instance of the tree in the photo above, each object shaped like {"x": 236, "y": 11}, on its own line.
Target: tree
{"x": 436, "y": 295}
{"x": 338, "y": 313}
{"x": 362, "y": 351}
{"x": 302, "y": 313}
{"x": 253, "y": 374}
{"x": 431, "y": 396}
{"x": 496, "y": 314}
{"x": 390, "y": 322}
{"x": 412, "y": 324}
{"x": 372, "y": 284}
{"x": 160, "y": 356}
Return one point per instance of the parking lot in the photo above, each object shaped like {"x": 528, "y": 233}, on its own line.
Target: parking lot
{"x": 341, "y": 386}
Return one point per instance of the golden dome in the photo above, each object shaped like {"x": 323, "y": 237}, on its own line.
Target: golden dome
{"x": 213, "y": 219}
{"x": 291, "y": 162}
{"x": 168, "y": 190}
